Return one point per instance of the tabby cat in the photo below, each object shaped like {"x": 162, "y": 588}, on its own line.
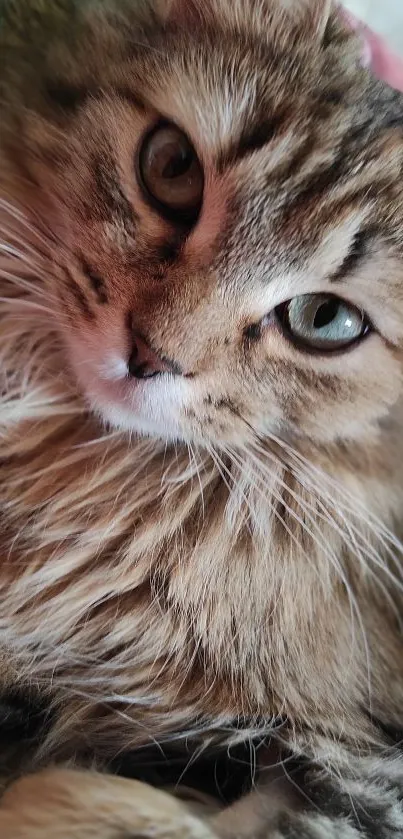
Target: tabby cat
{"x": 201, "y": 344}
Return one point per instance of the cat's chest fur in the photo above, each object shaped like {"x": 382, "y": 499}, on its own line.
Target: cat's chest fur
{"x": 157, "y": 588}
{"x": 174, "y": 609}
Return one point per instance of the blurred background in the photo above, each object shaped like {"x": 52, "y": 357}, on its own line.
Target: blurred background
{"x": 385, "y": 16}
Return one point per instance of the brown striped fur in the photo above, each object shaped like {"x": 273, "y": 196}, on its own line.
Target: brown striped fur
{"x": 225, "y": 545}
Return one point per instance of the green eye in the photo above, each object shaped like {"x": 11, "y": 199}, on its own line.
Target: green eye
{"x": 322, "y": 322}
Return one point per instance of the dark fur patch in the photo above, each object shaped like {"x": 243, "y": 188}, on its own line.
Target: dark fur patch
{"x": 82, "y": 301}
{"x": 70, "y": 98}
{"x": 370, "y": 817}
{"x": 168, "y": 252}
{"x": 96, "y": 282}
{"x": 297, "y": 161}
{"x": 252, "y": 139}
{"x": 253, "y": 332}
{"x": 224, "y": 774}
{"x": 227, "y": 404}
{"x": 22, "y": 717}
{"x": 174, "y": 367}
{"x": 332, "y": 97}
{"x": 114, "y": 203}
{"x": 356, "y": 253}
{"x": 79, "y": 296}
{"x": 15, "y": 717}
{"x": 391, "y": 732}
{"x": 67, "y": 97}
{"x": 129, "y": 96}
{"x": 219, "y": 404}
{"x": 316, "y": 186}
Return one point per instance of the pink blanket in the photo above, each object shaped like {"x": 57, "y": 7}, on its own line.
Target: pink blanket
{"x": 376, "y": 53}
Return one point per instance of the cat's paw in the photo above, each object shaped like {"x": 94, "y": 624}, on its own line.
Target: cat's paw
{"x": 68, "y": 804}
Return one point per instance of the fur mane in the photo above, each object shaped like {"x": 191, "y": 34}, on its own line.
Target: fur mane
{"x": 116, "y": 550}
{"x": 153, "y": 591}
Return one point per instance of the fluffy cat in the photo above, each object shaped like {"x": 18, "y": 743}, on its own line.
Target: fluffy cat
{"x": 201, "y": 349}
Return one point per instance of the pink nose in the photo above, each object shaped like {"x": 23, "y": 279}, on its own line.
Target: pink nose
{"x": 144, "y": 362}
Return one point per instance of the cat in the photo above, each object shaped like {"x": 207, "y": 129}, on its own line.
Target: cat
{"x": 201, "y": 444}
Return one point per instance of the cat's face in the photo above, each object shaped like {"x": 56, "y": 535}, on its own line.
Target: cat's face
{"x": 226, "y": 254}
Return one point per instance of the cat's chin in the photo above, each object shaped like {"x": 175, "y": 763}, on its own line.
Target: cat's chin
{"x": 142, "y": 408}
{"x": 118, "y": 416}
{"x": 149, "y": 408}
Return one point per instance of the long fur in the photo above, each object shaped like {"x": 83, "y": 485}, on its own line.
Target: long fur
{"x": 235, "y": 570}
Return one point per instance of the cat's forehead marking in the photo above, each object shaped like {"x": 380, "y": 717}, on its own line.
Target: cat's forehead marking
{"x": 252, "y": 137}
{"x": 109, "y": 191}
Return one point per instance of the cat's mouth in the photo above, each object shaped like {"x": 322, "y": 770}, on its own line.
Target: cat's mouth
{"x": 149, "y": 408}
{"x": 152, "y": 407}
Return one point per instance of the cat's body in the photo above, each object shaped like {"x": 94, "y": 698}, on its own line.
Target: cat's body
{"x": 244, "y": 562}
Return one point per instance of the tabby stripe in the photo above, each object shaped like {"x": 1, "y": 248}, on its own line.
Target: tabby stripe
{"x": 316, "y": 186}
{"x": 251, "y": 139}
{"x": 65, "y": 96}
{"x": 96, "y": 282}
{"x": 368, "y": 813}
{"x": 298, "y": 159}
{"x": 79, "y": 296}
{"x": 110, "y": 191}
{"x": 70, "y": 97}
{"x": 357, "y": 251}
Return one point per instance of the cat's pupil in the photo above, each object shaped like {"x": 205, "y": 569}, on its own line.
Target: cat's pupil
{"x": 178, "y": 164}
{"x": 326, "y": 313}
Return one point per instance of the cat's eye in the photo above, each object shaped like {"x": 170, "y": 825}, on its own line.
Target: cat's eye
{"x": 322, "y": 322}
{"x": 170, "y": 171}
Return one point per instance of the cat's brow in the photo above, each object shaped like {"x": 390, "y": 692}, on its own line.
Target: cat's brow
{"x": 357, "y": 251}
{"x": 77, "y": 293}
{"x": 71, "y": 97}
{"x": 113, "y": 200}
{"x": 95, "y": 280}
{"x": 251, "y": 139}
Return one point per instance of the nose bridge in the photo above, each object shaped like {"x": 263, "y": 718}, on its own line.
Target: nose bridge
{"x": 179, "y": 329}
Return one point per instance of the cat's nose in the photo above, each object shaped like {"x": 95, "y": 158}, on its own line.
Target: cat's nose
{"x": 145, "y": 362}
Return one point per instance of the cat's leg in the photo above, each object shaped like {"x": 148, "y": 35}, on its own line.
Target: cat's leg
{"x": 355, "y": 797}
{"x": 68, "y": 804}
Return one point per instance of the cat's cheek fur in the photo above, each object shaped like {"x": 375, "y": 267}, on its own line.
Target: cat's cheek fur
{"x": 357, "y": 389}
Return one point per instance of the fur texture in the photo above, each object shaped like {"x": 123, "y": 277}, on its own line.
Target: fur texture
{"x": 213, "y": 554}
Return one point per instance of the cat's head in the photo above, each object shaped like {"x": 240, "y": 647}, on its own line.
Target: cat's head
{"x": 222, "y": 189}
